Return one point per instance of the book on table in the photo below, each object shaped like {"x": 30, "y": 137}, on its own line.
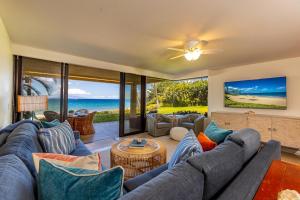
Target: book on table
{"x": 137, "y": 143}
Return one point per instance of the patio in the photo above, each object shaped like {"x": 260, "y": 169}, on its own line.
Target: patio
{"x": 104, "y": 131}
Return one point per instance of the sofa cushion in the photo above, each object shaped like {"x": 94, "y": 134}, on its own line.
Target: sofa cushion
{"x": 181, "y": 182}
{"x": 80, "y": 150}
{"x": 249, "y": 139}
{"x": 56, "y": 182}
{"x": 215, "y": 133}
{"x": 187, "y": 147}
{"x": 58, "y": 139}
{"x": 133, "y": 183}
{"x": 22, "y": 142}
{"x": 219, "y": 166}
{"x": 164, "y": 125}
{"x": 16, "y": 182}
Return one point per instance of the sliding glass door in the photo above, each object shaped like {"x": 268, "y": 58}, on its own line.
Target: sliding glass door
{"x": 42, "y": 78}
{"x": 115, "y": 101}
{"x": 132, "y": 104}
{"x": 94, "y": 92}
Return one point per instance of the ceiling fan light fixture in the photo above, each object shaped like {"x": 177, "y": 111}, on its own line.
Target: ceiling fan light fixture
{"x": 191, "y": 55}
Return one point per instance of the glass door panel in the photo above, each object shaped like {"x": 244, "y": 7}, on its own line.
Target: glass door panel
{"x": 42, "y": 78}
{"x": 93, "y": 94}
{"x": 133, "y": 104}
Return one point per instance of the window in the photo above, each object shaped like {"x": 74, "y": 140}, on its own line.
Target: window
{"x": 177, "y": 97}
{"x": 41, "y": 77}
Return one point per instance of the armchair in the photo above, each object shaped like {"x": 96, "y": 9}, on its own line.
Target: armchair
{"x": 83, "y": 124}
{"x": 158, "y": 124}
{"x": 192, "y": 121}
{"x": 51, "y": 115}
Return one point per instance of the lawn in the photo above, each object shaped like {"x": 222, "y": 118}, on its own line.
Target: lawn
{"x": 106, "y": 116}
{"x": 109, "y": 116}
{"x": 170, "y": 110}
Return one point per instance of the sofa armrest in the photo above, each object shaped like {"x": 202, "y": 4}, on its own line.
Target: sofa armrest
{"x": 151, "y": 122}
{"x": 199, "y": 124}
{"x": 76, "y": 135}
{"x": 246, "y": 183}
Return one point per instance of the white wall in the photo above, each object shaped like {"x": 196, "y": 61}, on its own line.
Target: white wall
{"x": 287, "y": 67}
{"x": 6, "y": 74}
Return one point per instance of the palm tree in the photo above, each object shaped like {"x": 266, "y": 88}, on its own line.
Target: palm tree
{"x": 30, "y": 89}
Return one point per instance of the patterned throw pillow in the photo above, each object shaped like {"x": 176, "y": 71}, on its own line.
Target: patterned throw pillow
{"x": 187, "y": 147}
{"x": 59, "y": 139}
{"x": 56, "y": 182}
{"x": 91, "y": 162}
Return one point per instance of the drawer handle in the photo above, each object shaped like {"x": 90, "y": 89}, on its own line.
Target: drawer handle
{"x": 269, "y": 129}
{"x": 227, "y": 123}
{"x": 274, "y": 129}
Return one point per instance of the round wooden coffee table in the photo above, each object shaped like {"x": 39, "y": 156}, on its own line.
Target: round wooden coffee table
{"x": 137, "y": 160}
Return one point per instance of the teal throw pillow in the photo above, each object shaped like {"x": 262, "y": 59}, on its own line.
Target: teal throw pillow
{"x": 56, "y": 182}
{"x": 187, "y": 147}
{"x": 51, "y": 124}
{"x": 215, "y": 133}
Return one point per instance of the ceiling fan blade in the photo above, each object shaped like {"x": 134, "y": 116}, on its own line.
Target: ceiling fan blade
{"x": 172, "y": 58}
{"x": 211, "y": 51}
{"x": 176, "y": 49}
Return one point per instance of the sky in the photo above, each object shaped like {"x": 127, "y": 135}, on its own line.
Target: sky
{"x": 93, "y": 90}
{"x": 85, "y": 89}
{"x": 268, "y": 85}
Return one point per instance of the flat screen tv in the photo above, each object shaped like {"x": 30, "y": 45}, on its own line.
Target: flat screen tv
{"x": 267, "y": 93}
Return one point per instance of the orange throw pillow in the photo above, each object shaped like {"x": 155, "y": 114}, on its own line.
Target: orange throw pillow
{"x": 206, "y": 143}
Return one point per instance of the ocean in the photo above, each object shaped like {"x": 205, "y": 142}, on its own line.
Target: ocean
{"x": 90, "y": 104}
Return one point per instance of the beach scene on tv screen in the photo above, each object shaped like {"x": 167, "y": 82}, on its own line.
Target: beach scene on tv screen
{"x": 268, "y": 93}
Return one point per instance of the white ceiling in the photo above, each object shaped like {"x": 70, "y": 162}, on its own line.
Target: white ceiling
{"x": 137, "y": 32}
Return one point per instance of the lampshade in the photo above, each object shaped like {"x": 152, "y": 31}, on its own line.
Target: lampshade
{"x": 32, "y": 103}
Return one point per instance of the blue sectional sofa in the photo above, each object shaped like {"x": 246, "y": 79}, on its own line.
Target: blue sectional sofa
{"x": 17, "y": 172}
{"x": 231, "y": 171}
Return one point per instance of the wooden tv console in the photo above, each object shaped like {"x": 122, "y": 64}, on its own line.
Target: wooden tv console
{"x": 281, "y": 128}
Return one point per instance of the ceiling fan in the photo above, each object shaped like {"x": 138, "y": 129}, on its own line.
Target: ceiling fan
{"x": 193, "y": 50}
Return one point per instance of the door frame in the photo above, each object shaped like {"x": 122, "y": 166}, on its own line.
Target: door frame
{"x": 122, "y": 106}
{"x": 17, "y": 88}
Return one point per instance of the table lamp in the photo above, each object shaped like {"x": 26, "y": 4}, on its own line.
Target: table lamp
{"x": 32, "y": 103}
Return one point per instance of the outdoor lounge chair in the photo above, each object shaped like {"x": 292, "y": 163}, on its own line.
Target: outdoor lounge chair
{"x": 84, "y": 124}
{"x": 192, "y": 121}
{"x": 159, "y": 125}
{"x": 51, "y": 115}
